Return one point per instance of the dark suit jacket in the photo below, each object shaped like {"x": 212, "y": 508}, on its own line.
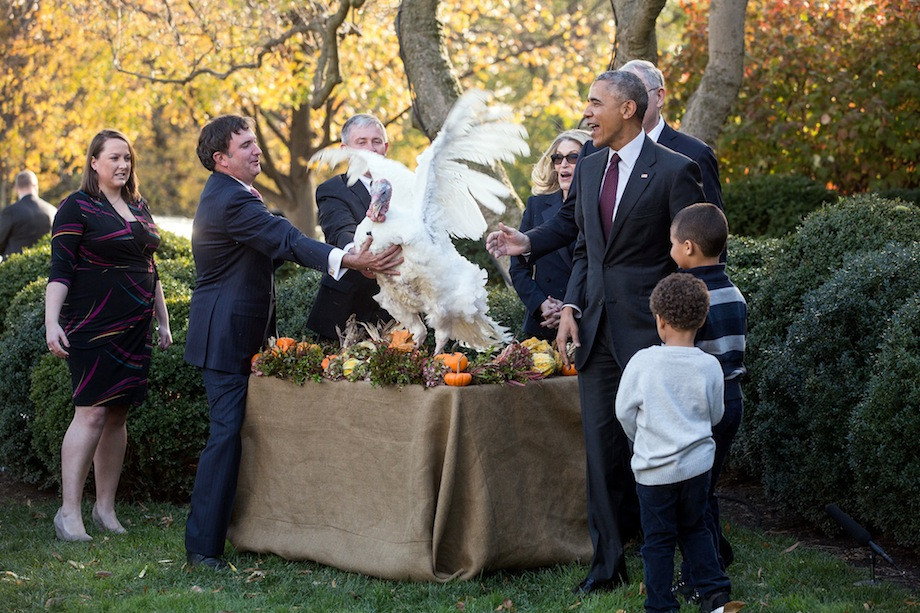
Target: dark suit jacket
{"x": 23, "y": 223}
{"x": 702, "y": 154}
{"x": 563, "y": 230}
{"x": 549, "y": 275}
{"x": 617, "y": 276}
{"x": 341, "y": 209}
{"x": 235, "y": 241}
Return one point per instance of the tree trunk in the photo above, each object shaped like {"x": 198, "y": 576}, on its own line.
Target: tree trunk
{"x": 433, "y": 86}
{"x": 635, "y": 31}
{"x": 711, "y": 103}
{"x": 294, "y": 194}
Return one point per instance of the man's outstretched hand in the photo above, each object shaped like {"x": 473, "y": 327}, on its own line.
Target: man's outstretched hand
{"x": 507, "y": 241}
{"x": 370, "y": 264}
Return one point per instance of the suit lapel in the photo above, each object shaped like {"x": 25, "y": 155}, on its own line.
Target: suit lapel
{"x": 640, "y": 178}
{"x": 361, "y": 201}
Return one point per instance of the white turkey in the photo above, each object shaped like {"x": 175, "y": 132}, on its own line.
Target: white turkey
{"x": 425, "y": 208}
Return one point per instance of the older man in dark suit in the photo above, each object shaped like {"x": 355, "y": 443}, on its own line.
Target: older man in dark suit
{"x": 341, "y": 208}
{"x": 26, "y": 220}
{"x": 236, "y": 243}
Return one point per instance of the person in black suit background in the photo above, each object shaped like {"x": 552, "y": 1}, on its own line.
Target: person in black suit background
{"x": 541, "y": 285}
{"x": 26, "y": 220}
{"x": 548, "y": 237}
{"x": 236, "y": 243}
{"x": 341, "y": 208}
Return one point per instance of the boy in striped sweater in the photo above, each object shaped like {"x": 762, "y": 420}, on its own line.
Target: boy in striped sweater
{"x": 698, "y": 237}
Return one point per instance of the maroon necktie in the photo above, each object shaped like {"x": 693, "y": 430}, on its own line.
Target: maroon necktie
{"x": 255, "y": 192}
{"x": 608, "y": 198}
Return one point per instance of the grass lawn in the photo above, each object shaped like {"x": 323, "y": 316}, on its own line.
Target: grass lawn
{"x": 145, "y": 570}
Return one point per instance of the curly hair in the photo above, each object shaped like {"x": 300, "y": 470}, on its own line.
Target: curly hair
{"x": 704, "y": 224}
{"x": 544, "y": 176}
{"x": 682, "y": 300}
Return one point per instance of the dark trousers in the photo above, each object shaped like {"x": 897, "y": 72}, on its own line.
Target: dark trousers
{"x": 671, "y": 514}
{"x": 723, "y": 433}
{"x": 219, "y": 464}
{"x": 613, "y": 511}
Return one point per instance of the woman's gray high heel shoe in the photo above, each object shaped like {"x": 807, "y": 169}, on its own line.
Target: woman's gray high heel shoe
{"x": 63, "y": 534}
{"x": 119, "y": 529}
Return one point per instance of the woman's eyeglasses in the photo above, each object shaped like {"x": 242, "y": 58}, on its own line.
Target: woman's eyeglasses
{"x": 558, "y": 157}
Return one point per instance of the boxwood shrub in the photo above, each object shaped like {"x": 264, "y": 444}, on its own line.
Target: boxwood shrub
{"x": 810, "y": 383}
{"x": 885, "y": 428}
{"x": 23, "y": 343}
{"x": 20, "y": 269}
{"x": 772, "y": 205}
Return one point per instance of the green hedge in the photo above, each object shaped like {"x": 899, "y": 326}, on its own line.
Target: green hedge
{"x": 885, "y": 430}
{"x": 810, "y": 385}
{"x": 20, "y": 269}
{"x": 296, "y": 294}
{"x": 23, "y": 343}
{"x": 772, "y": 205}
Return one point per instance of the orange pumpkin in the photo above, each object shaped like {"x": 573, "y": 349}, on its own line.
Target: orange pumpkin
{"x": 401, "y": 340}
{"x": 458, "y": 379}
{"x": 284, "y": 343}
{"x": 328, "y": 359}
{"x": 457, "y": 362}
{"x": 254, "y": 358}
{"x": 569, "y": 370}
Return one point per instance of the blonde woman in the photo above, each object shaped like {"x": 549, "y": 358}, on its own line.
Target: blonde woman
{"x": 541, "y": 286}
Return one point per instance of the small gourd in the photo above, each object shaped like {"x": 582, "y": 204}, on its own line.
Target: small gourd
{"x": 457, "y": 362}
{"x": 458, "y": 379}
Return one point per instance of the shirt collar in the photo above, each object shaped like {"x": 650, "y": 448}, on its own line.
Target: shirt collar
{"x": 655, "y": 133}
{"x": 630, "y": 152}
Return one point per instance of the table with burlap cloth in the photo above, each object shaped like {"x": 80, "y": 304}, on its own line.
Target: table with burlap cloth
{"x": 409, "y": 483}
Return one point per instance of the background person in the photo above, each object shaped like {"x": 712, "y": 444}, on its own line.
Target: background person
{"x": 541, "y": 284}
{"x": 102, "y": 294}
{"x": 341, "y": 208}
{"x": 236, "y": 242}
{"x": 26, "y": 220}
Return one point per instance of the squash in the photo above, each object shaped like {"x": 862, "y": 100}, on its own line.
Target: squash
{"x": 401, "y": 340}
{"x": 458, "y": 379}
{"x": 254, "y": 358}
{"x": 284, "y": 343}
{"x": 569, "y": 370}
{"x": 457, "y": 362}
{"x": 328, "y": 359}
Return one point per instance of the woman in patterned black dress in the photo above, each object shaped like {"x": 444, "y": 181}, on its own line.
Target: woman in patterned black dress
{"x": 102, "y": 294}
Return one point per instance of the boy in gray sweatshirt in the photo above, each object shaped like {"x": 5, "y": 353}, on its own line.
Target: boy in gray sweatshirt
{"x": 669, "y": 398}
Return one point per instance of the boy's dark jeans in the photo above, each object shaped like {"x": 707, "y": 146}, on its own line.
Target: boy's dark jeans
{"x": 671, "y": 514}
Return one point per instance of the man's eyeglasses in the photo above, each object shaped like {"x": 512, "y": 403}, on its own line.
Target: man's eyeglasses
{"x": 558, "y": 157}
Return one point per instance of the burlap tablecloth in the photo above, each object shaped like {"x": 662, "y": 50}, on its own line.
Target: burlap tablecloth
{"x": 409, "y": 483}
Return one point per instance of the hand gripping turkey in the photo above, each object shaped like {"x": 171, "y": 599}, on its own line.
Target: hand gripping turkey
{"x": 425, "y": 208}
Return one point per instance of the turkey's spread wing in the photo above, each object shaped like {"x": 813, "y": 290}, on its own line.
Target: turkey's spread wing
{"x": 472, "y": 133}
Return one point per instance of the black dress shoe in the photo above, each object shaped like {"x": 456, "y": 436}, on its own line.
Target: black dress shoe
{"x": 197, "y": 559}
{"x": 591, "y": 585}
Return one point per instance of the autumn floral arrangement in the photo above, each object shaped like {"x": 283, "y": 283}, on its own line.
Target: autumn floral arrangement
{"x": 391, "y": 357}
